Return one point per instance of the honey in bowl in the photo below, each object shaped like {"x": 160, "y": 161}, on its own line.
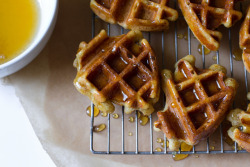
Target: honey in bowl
{"x": 19, "y": 21}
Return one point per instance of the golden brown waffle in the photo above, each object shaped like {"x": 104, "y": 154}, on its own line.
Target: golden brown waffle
{"x": 240, "y": 118}
{"x": 196, "y": 102}
{"x": 204, "y": 16}
{"x": 245, "y": 40}
{"x": 120, "y": 69}
{"x": 144, "y": 15}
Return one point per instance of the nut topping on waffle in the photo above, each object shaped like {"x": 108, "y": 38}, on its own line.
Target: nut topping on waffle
{"x": 240, "y": 118}
{"x": 197, "y": 100}
{"x": 204, "y": 16}
{"x": 245, "y": 40}
{"x": 120, "y": 69}
{"x": 144, "y": 15}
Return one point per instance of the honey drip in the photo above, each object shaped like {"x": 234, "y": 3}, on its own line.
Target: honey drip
{"x": 212, "y": 148}
{"x": 143, "y": 120}
{"x": 214, "y": 58}
{"x": 184, "y": 147}
{"x": 104, "y": 114}
{"x": 206, "y": 50}
{"x": 158, "y": 149}
{"x": 238, "y": 147}
{"x": 185, "y": 35}
{"x": 96, "y": 111}
{"x": 173, "y": 105}
{"x": 116, "y": 116}
{"x": 139, "y": 114}
{"x": 163, "y": 144}
{"x": 237, "y": 54}
{"x": 99, "y": 128}
{"x": 245, "y": 127}
{"x": 159, "y": 140}
{"x": 131, "y": 119}
{"x": 130, "y": 133}
{"x": 180, "y": 36}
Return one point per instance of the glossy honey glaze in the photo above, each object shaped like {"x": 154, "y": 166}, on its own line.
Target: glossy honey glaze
{"x": 184, "y": 147}
{"x": 99, "y": 128}
{"x": 19, "y": 21}
{"x": 96, "y": 111}
{"x": 206, "y": 50}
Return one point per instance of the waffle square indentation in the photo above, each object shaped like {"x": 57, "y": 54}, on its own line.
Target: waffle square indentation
{"x": 189, "y": 96}
{"x": 117, "y": 62}
{"x": 211, "y": 85}
{"x": 145, "y": 12}
{"x": 99, "y": 78}
{"x": 198, "y": 117}
{"x": 136, "y": 78}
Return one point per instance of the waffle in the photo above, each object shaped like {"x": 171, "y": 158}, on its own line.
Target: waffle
{"x": 245, "y": 40}
{"x": 144, "y": 15}
{"x": 204, "y": 16}
{"x": 120, "y": 69}
{"x": 240, "y": 118}
{"x": 196, "y": 102}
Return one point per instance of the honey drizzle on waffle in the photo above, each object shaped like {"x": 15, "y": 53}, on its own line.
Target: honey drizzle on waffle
{"x": 123, "y": 69}
{"x": 245, "y": 40}
{"x": 240, "y": 118}
{"x": 193, "y": 118}
{"x": 144, "y": 15}
{"x": 224, "y": 11}
{"x": 204, "y": 16}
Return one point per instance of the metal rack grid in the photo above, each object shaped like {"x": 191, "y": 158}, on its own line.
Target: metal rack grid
{"x": 151, "y": 151}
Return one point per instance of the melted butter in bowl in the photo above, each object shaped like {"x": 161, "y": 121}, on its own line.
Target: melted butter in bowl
{"x": 26, "y": 26}
{"x": 19, "y": 22}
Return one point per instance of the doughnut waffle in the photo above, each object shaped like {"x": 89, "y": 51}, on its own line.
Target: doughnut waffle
{"x": 120, "y": 69}
{"x": 245, "y": 40}
{"x": 197, "y": 101}
{"x": 144, "y": 15}
{"x": 204, "y": 16}
{"x": 240, "y": 118}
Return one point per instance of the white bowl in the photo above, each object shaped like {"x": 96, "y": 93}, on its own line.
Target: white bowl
{"x": 47, "y": 20}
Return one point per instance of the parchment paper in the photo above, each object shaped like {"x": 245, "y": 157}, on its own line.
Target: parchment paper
{"x": 57, "y": 111}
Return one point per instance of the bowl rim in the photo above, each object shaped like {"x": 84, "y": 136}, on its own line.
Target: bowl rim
{"x": 37, "y": 38}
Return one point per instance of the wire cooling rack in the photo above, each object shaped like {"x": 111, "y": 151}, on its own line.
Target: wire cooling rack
{"x": 151, "y": 151}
